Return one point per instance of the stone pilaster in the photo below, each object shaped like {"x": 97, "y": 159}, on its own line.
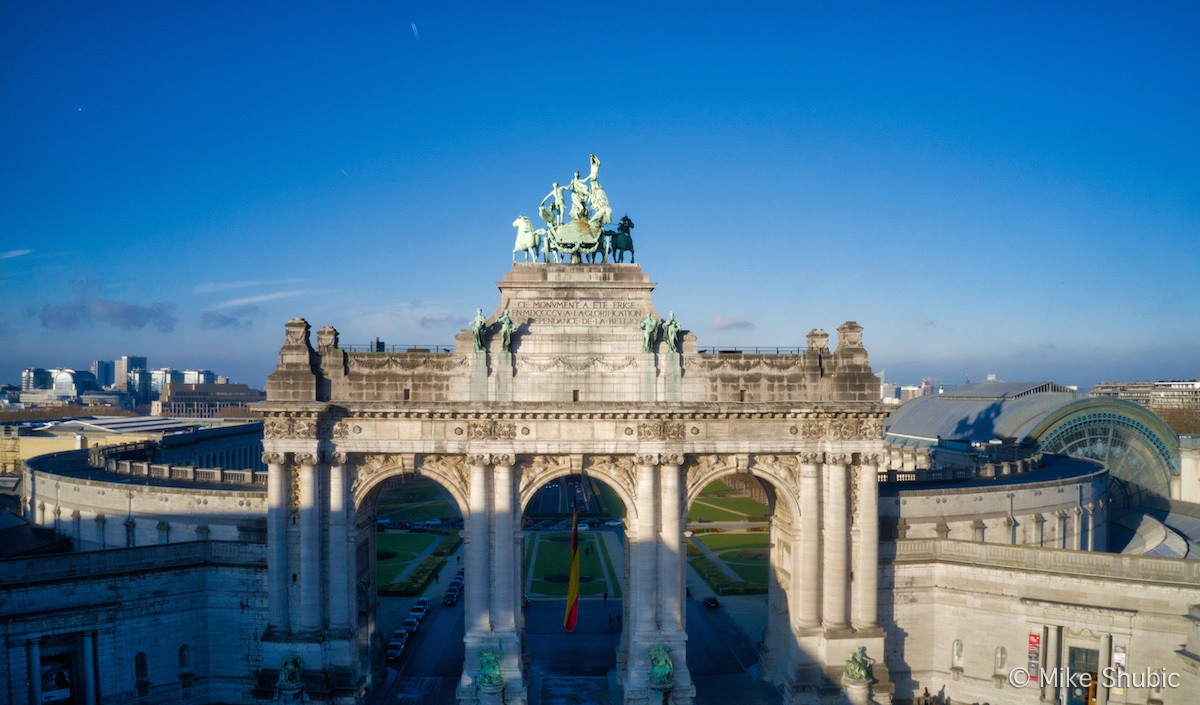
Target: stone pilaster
{"x": 866, "y": 572}
{"x": 671, "y": 550}
{"x": 87, "y": 654}
{"x": 477, "y": 580}
{"x": 806, "y": 557}
{"x": 340, "y": 555}
{"x": 34, "y": 651}
{"x": 277, "y": 543}
{"x": 310, "y": 545}
{"x": 836, "y": 539}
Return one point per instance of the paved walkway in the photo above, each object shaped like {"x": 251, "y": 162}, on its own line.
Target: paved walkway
{"x": 712, "y": 556}
{"x": 412, "y": 565}
{"x": 748, "y": 611}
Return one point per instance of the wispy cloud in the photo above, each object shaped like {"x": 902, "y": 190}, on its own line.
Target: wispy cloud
{"x": 210, "y": 287}
{"x": 90, "y": 308}
{"x": 263, "y": 298}
{"x": 14, "y": 253}
{"x": 727, "y": 322}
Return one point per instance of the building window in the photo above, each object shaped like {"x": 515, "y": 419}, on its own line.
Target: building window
{"x": 185, "y": 665}
{"x": 141, "y": 673}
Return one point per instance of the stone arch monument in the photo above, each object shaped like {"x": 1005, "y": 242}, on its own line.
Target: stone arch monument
{"x": 563, "y": 378}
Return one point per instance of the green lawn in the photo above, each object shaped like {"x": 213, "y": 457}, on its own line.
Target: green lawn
{"x": 703, "y": 512}
{"x": 414, "y": 543}
{"x": 716, "y": 488}
{"x": 418, "y": 500}
{"x": 609, "y": 501}
{"x": 746, "y": 554}
{"x": 741, "y": 505}
{"x": 554, "y": 558}
{"x": 721, "y": 542}
{"x": 406, "y": 547}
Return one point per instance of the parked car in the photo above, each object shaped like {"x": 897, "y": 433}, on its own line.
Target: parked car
{"x": 450, "y": 599}
{"x": 614, "y": 523}
{"x": 584, "y": 527}
{"x": 711, "y": 603}
{"x": 410, "y": 625}
{"x": 399, "y": 636}
{"x": 394, "y": 651}
{"x": 418, "y": 612}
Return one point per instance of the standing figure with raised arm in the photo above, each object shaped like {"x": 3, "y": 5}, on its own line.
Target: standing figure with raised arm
{"x": 556, "y": 203}
{"x": 579, "y": 197}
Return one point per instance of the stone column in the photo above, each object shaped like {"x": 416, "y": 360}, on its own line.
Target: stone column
{"x": 836, "y": 568}
{"x": 866, "y": 573}
{"x": 1105, "y": 662}
{"x": 1091, "y": 526}
{"x": 35, "y": 671}
{"x": 87, "y": 655}
{"x": 503, "y": 616}
{"x": 341, "y": 558}
{"x": 671, "y": 550}
{"x": 643, "y": 575}
{"x": 1049, "y": 689}
{"x": 1077, "y": 526}
{"x": 478, "y": 619}
{"x": 310, "y": 545}
{"x": 806, "y": 557}
{"x": 277, "y": 542}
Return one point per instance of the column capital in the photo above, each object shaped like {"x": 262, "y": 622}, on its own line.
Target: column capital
{"x": 504, "y": 459}
{"x": 305, "y": 459}
{"x": 812, "y": 458}
{"x": 479, "y": 459}
{"x": 671, "y": 459}
{"x": 336, "y": 457}
{"x": 837, "y": 458}
{"x": 272, "y": 458}
{"x": 647, "y": 458}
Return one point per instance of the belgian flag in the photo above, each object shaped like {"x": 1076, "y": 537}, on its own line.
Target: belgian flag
{"x": 573, "y": 586}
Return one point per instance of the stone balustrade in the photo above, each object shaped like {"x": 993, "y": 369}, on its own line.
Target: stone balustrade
{"x": 132, "y": 560}
{"x": 187, "y": 472}
{"x": 1043, "y": 560}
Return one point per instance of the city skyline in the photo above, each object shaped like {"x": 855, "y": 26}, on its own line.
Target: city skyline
{"x": 1006, "y": 190}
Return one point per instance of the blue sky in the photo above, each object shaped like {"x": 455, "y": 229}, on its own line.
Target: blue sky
{"x": 985, "y": 187}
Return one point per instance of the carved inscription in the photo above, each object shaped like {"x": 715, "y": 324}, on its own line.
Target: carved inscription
{"x": 578, "y": 313}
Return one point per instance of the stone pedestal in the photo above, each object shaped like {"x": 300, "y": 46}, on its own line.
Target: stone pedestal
{"x": 491, "y": 695}
{"x": 857, "y": 692}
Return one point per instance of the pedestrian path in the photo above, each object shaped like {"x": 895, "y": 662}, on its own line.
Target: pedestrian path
{"x": 412, "y": 565}
{"x": 712, "y": 556}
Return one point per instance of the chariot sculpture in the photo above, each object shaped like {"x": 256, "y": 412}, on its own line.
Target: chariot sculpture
{"x": 578, "y": 233}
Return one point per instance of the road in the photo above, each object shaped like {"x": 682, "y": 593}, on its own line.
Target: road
{"x": 571, "y": 669}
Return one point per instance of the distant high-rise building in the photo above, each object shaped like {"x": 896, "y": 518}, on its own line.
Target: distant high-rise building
{"x": 36, "y": 378}
{"x": 160, "y": 378}
{"x": 139, "y": 387}
{"x": 199, "y": 377}
{"x": 124, "y": 366}
{"x": 104, "y": 372}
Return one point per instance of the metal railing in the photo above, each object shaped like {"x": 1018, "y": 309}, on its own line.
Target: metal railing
{"x": 752, "y": 351}
{"x": 384, "y": 348}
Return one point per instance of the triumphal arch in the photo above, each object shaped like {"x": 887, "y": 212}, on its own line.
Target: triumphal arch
{"x": 575, "y": 371}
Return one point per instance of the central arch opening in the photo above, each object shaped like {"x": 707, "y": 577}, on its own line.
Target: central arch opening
{"x": 415, "y": 531}
{"x": 738, "y": 546}
{"x": 579, "y": 663}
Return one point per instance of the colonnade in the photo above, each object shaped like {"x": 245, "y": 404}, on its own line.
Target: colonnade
{"x": 829, "y": 595}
